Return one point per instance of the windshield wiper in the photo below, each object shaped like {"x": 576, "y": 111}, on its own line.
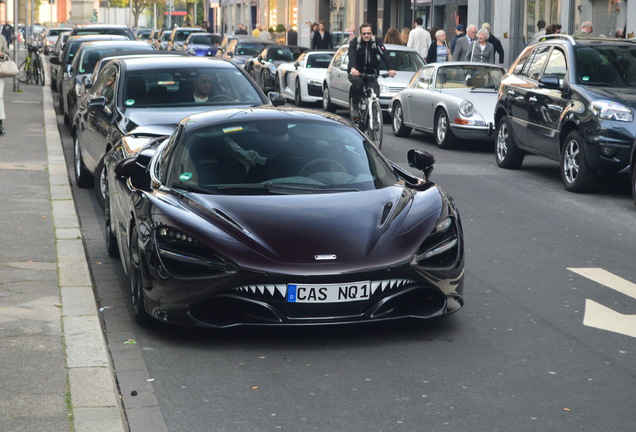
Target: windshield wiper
{"x": 189, "y": 188}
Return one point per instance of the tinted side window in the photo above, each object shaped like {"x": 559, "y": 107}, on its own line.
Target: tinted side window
{"x": 556, "y": 64}
{"x": 521, "y": 63}
{"x": 537, "y": 61}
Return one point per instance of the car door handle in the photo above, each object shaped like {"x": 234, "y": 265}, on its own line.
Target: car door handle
{"x": 532, "y": 99}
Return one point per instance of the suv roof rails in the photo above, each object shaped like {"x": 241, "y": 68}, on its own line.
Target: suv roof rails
{"x": 559, "y": 36}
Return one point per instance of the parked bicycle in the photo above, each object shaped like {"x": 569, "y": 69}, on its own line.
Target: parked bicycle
{"x": 371, "y": 120}
{"x": 31, "y": 70}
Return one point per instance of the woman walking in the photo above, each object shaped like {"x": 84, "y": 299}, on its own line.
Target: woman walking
{"x": 4, "y": 55}
{"x": 483, "y": 51}
{"x": 439, "y": 51}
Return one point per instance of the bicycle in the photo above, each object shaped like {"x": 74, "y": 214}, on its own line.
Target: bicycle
{"x": 371, "y": 119}
{"x": 32, "y": 68}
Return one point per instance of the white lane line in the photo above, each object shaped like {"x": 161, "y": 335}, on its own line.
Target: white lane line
{"x": 601, "y": 317}
{"x": 608, "y": 279}
{"x": 604, "y": 318}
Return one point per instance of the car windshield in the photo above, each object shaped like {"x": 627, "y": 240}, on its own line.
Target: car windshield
{"x": 205, "y": 40}
{"x": 243, "y": 157}
{"x": 182, "y": 35}
{"x": 249, "y": 49}
{"x": 188, "y": 86}
{"x": 606, "y": 65}
{"x": 463, "y": 77}
{"x": 280, "y": 54}
{"x": 319, "y": 61}
{"x": 56, "y": 32}
{"x": 404, "y": 61}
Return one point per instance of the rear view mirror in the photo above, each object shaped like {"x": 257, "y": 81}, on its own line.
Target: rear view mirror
{"x": 421, "y": 160}
{"x": 276, "y": 99}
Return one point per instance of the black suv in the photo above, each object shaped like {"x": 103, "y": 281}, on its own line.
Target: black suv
{"x": 570, "y": 100}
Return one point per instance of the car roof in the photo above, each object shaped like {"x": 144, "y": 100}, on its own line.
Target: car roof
{"x": 156, "y": 62}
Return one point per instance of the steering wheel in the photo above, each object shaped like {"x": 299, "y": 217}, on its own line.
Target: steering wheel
{"x": 310, "y": 166}
{"x": 221, "y": 97}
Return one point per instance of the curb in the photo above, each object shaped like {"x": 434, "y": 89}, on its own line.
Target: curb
{"x": 94, "y": 400}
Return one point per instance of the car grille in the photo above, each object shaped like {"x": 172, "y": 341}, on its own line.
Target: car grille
{"x": 279, "y": 291}
{"x": 314, "y": 90}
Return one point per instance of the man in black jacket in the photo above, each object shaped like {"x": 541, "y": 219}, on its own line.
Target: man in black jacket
{"x": 496, "y": 43}
{"x": 364, "y": 58}
{"x": 322, "y": 38}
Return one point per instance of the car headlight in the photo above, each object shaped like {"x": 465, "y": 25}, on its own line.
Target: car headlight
{"x": 272, "y": 69}
{"x": 184, "y": 257}
{"x": 384, "y": 88}
{"x": 466, "y": 108}
{"x": 314, "y": 82}
{"x": 441, "y": 249}
{"x": 612, "y": 111}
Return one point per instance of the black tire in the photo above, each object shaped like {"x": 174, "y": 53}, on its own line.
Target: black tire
{"x": 111, "y": 239}
{"x": 53, "y": 85}
{"x": 443, "y": 134}
{"x": 375, "y": 132}
{"x": 399, "y": 129}
{"x": 135, "y": 275}
{"x": 67, "y": 117}
{"x": 576, "y": 174}
{"x": 327, "y": 105}
{"x": 83, "y": 176}
{"x": 22, "y": 73}
{"x": 298, "y": 97}
{"x": 42, "y": 75}
{"x": 634, "y": 182}
{"x": 101, "y": 186}
{"x": 507, "y": 154}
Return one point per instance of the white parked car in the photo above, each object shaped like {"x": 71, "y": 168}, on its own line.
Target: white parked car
{"x": 301, "y": 80}
{"x": 335, "y": 88}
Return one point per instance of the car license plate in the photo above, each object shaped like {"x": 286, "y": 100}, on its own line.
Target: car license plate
{"x": 328, "y": 293}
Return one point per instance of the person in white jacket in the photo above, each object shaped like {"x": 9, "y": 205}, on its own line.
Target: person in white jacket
{"x": 419, "y": 38}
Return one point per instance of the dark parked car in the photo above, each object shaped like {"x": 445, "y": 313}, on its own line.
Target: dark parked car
{"x": 268, "y": 216}
{"x": 572, "y": 101}
{"x": 48, "y": 43}
{"x": 83, "y": 64}
{"x": 179, "y": 36}
{"x": 55, "y": 69}
{"x": 64, "y": 61}
{"x": 151, "y": 92}
{"x": 242, "y": 49}
{"x": 105, "y": 29}
{"x": 202, "y": 44}
{"x": 263, "y": 67}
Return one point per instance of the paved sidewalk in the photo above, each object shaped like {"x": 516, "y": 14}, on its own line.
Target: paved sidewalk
{"x": 56, "y": 370}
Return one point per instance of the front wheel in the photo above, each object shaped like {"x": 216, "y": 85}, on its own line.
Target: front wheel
{"x": 41, "y": 73}
{"x": 83, "y": 176}
{"x": 135, "y": 274}
{"x": 101, "y": 187}
{"x": 443, "y": 134}
{"x": 22, "y": 72}
{"x": 399, "y": 129}
{"x": 507, "y": 154}
{"x": 375, "y": 124}
{"x": 576, "y": 174}
{"x": 327, "y": 105}
{"x": 634, "y": 182}
{"x": 298, "y": 97}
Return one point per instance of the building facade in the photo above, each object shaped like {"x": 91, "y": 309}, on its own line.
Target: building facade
{"x": 343, "y": 16}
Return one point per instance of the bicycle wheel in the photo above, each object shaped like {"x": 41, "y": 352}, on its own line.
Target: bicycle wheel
{"x": 375, "y": 124}
{"x": 22, "y": 72}
{"x": 41, "y": 72}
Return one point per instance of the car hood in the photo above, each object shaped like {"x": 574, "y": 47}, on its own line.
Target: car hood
{"x": 625, "y": 94}
{"x": 161, "y": 117}
{"x": 353, "y": 227}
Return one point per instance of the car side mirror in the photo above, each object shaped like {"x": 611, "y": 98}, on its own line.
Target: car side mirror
{"x": 135, "y": 168}
{"x": 276, "y": 98}
{"x": 296, "y": 64}
{"x": 97, "y": 104}
{"x": 550, "y": 82}
{"x": 421, "y": 160}
{"x": 344, "y": 66}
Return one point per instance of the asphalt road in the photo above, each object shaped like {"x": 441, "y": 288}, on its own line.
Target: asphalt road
{"x": 543, "y": 342}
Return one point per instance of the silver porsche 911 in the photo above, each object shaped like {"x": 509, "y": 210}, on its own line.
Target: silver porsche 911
{"x": 453, "y": 101}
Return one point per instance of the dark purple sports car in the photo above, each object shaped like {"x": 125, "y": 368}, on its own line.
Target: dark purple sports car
{"x": 264, "y": 216}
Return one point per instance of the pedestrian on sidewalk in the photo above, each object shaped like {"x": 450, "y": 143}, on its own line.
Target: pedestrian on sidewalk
{"x": 4, "y": 55}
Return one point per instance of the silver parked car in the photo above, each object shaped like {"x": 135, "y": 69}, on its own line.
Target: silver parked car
{"x": 451, "y": 100}
{"x": 335, "y": 88}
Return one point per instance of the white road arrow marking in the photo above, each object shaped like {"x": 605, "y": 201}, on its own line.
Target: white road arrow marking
{"x": 601, "y": 317}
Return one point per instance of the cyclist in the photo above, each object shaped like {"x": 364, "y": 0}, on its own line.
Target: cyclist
{"x": 364, "y": 58}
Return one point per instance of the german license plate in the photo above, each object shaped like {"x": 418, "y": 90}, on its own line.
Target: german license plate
{"x": 328, "y": 293}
